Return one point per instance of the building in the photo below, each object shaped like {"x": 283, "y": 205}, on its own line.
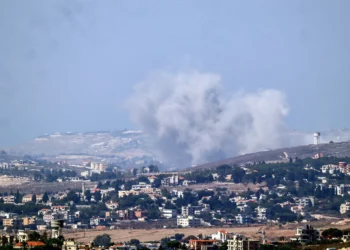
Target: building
{"x": 98, "y": 166}
{"x": 12, "y": 222}
{"x": 189, "y": 221}
{"x": 187, "y": 210}
{"x": 141, "y": 185}
{"x": 243, "y": 219}
{"x": 10, "y": 199}
{"x": 261, "y": 213}
{"x": 202, "y": 244}
{"x": 140, "y": 213}
{"x": 221, "y": 235}
{"x": 122, "y": 193}
{"x": 169, "y": 213}
{"x": 239, "y": 242}
{"x": 307, "y": 234}
{"x": 345, "y": 207}
{"x": 170, "y": 181}
{"x": 304, "y": 201}
{"x": 28, "y": 221}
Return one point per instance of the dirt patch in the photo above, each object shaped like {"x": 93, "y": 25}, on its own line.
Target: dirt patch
{"x": 41, "y": 187}
{"x": 122, "y": 235}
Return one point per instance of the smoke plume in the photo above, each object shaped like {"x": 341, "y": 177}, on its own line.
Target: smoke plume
{"x": 191, "y": 121}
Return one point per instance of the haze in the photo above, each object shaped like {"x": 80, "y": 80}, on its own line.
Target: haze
{"x": 71, "y": 65}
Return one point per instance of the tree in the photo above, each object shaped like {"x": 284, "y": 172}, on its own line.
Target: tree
{"x": 45, "y": 197}
{"x": 72, "y": 196}
{"x": 34, "y": 198}
{"x": 134, "y": 171}
{"x": 17, "y": 197}
{"x": 33, "y": 236}
{"x": 103, "y": 240}
{"x": 88, "y": 195}
{"x": 97, "y": 196}
{"x": 179, "y": 237}
{"x": 332, "y": 233}
{"x": 223, "y": 246}
{"x": 174, "y": 244}
{"x": 134, "y": 242}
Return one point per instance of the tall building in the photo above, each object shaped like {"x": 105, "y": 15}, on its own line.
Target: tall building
{"x": 307, "y": 234}
{"x": 239, "y": 242}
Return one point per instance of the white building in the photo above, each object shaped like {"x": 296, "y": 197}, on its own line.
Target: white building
{"x": 345, "y": 207}
{"x": 169, "y": 213}
{"x": 221, "y": 235}
{"x": 243, "y": 219}
{"x": 261, "y": 213}
{"x": 189, "y": 221}
{"x": 141, "y": 185}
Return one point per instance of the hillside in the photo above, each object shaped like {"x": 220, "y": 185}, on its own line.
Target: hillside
{"x": 339, "y": 149}
{"x": 129, "y": 147}
{"x": 114, "y": 146}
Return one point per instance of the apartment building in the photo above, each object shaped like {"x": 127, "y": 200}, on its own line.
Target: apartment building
{"x": 170, "y": 181}
{"x": 12, "y": 222}
{"x": 307, "y": 234}
{"x": 243, "y": 219}
{"x": 239, "y": 242}
{"x": 189, "y": 221}
{"x": 169, "y": 213}
{"x": 141, "y": 185}
{"x": 345, "y": 207}
{"x": 261, "y": 213}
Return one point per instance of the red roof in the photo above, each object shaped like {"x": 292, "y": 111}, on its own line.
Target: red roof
{"x": 31, "y": 244}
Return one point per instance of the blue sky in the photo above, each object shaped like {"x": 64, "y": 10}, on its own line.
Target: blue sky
{"x": 70, "y": 65}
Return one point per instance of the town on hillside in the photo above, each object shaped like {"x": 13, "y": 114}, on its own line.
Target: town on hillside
{"x": 298, "y": 198}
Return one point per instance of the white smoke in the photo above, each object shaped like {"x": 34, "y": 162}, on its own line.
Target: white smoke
{"x": 190, "y": 121}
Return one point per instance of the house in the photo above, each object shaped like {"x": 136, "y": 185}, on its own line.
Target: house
{"x": 140, "y": 214}
{"x": 10, "y": 199}
{"x": 239, "y": 242}
{"x": 221, "y": 235}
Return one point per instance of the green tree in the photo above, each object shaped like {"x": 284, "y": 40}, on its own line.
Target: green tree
{"x": 103, "y": 240}
{"x": 45, "y": 197}
{"x": 88, "y": 195}
{"x": 97, "y": 196}
{"x": 34, "y": 198}
{"x": 33, "y": 236}
{"x": 134, "y": 242}
{"x": 72, "y": 196}
{"x": 174, "y": 244}
{"x": 223, "y": 246}
{"x": 332, "y": 233}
